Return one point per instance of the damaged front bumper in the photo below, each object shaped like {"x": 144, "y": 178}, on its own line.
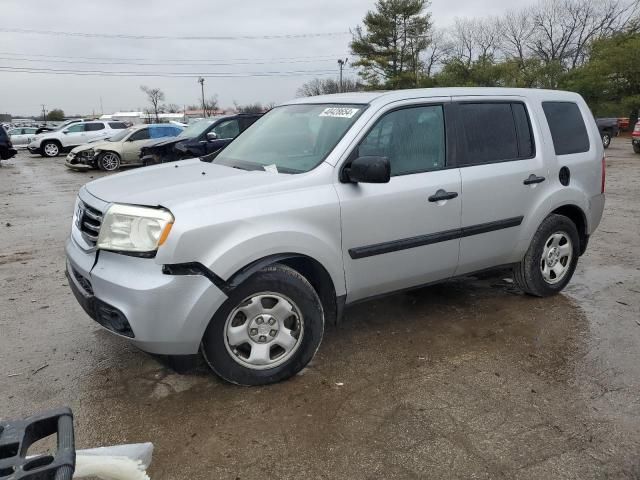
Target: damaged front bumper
{"x": 84, "y": 160}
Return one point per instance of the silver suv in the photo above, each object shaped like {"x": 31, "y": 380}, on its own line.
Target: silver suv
{"x": 245, "y": 254}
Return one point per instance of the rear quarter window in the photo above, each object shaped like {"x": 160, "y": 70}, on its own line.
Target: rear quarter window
{"x": 568, "y": 131}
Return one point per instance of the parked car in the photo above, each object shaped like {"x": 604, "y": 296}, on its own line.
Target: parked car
{"x": 122, "y": 149}
{"x": 327, "y": 201}
{"x": 51, "y": 127}
{"x": 51, "y": 144}
{"x": 198, "y": 139}
{"x": 608, "y": 128}
{"x": 635, "y": 138}
{"x": 6, "y": 147}
{"x": 21, "y": 137}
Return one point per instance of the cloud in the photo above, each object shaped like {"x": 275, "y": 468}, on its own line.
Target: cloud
{"x": 22, "y": 93}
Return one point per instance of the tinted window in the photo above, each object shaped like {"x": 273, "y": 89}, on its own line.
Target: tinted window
{"x": 93, "y": 127}
{"x": 29, "y": 131}
{"x": 228, "y": 129}
{"x": 413, "y": 140}
{"x": 117, "y": 125}
{"x": 488, "y": 133}
{"x": 526, "y": 146}
{"x": 140, "y": 135}
{"x": 75, "y": 128}
{"x": 568, "y": 130}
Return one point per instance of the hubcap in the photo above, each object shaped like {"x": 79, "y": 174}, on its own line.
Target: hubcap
{"x": 264, "y": 331}
{"x": 109, "y": 162}
{"x": 556, "y": 257}
{"x": 51, "y": 149}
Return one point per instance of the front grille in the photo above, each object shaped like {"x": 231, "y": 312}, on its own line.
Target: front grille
{"x": 89, "y": 220}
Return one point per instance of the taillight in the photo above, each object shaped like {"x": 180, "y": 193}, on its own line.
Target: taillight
{"x": 604, "y": 173}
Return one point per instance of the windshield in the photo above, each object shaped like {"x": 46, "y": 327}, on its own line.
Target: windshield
{"x": 196, "y": 129}
{"x": 291, "y": 139}
{"x": 118, "y": 137}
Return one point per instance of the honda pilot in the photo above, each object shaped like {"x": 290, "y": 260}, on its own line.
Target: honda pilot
{"x": 244, "y": 255}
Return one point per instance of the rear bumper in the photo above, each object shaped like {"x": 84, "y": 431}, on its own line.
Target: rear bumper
{"x": 132, "y": 298}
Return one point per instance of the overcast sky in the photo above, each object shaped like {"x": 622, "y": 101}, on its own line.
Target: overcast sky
{"x": 22, "y": 93}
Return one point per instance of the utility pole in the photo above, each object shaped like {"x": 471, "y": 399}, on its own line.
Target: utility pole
{"x": 201, "y": 82}
{"x": 341, "y": 64}
{"x": 44, "y": 114}
{"x": 101, "y": 107}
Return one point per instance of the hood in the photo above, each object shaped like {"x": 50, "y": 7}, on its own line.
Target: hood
{"x": 165, "y": 141}
{"x": 176, "y": 183}
{"x": 97, "y": 145}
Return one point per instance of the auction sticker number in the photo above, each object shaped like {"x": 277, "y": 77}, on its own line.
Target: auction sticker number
{"x": 339, "y": 112}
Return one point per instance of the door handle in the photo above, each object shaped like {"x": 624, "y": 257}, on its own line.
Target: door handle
{"x": 532, "y": 179}
{"x": 441, "y": 195}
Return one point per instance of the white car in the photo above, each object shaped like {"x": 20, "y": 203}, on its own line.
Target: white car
{"x": 22, "y": 136}
{"x": 51, "y": 144}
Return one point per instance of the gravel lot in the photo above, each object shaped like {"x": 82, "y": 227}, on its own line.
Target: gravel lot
{"x": 466, "y": 379}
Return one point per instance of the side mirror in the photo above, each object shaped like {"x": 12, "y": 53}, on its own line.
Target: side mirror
{"x": 65, "y": 131}
{"x": 212, "y": 136}
{"x": 368, "y": 170}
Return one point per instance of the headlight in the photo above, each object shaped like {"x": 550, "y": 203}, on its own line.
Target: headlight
{"x": 127, "y": 228}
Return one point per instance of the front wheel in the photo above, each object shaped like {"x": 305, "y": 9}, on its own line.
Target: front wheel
{"x": 636, "y": 147}
{"x": 50, "y": 149}
{"x": 551, "y": 258}
{"x": 268, "y": 329}
{"x": 606, "y": 139}
{"x": 109, "y": 161}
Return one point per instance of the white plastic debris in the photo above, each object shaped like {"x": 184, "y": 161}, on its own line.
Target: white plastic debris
{"x": 121, "y": 462}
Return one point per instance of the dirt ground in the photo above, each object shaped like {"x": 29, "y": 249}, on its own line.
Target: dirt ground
{"x": 467, "y": 379}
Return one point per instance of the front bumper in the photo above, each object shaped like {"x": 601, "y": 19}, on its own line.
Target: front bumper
{"x": 78, "y": 162}
{"x": 131, "y": 297}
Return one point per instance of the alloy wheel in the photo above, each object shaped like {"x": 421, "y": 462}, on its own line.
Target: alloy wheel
{"x": 556, "y": 257}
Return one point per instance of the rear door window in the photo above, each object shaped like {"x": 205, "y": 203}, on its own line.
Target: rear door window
{"x": 568, "y": 131}
{"x": 117, "y": 125}
{"x": 94, "y": 127}
{"x": 493, "y": 132}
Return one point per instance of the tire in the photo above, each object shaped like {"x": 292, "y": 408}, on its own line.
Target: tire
{"x": 109, "y": 161}
{"x": 606, "y": 139}
{"x": 275, "y": 290}
{"x": 529, "y": 274}
{"x": 50, "y": 149}
{"x": 636, "y": 148}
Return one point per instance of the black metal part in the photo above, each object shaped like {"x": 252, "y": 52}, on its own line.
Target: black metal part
{"x": 17, "y": 436}
{"x": 531, "y": 179}
{"x": 442, "y": 195}
{"x": 564, "y": 176}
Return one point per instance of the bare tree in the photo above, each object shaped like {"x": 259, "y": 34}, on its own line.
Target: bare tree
{"x": 463, "y": 43}
{"x": 319, "y": 86}
{"x": 173, "y": 108}
{"x": 439, "y": 47}
{"x": 516, "y": 29}
{"x": 210, "y": 106}
{"x": 155, "y": 96}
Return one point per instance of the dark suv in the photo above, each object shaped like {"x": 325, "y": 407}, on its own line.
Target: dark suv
{"x": 6, "y": 147}
{"x": 199, "y": 139}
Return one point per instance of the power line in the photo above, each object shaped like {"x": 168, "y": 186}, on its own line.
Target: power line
{"x": 82, "y": 62}
{"x": 166, "y": 74}
{"x": 28, "y": 54}
{"x": 168, "y": 37}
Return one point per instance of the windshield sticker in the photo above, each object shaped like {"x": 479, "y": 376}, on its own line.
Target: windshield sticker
{"x": 339, "y": 112}
{"x": 273, "y": 168}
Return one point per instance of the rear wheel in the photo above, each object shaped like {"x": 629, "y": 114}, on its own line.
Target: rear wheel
{"x": 636, "y": 147}
{"x": 268, "y": 329}
{"x": 606, "y": 139}
{"x": 551, "y": 259}
{"x": 50, "y": 149}
{"x": 109, "y": 161}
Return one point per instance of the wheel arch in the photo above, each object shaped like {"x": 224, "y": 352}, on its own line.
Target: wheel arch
{"x": 578, "y": 217}
{"x": 310, "y": 268}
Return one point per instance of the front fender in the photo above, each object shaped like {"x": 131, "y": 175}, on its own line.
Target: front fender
{"x": 231, "y": 257}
